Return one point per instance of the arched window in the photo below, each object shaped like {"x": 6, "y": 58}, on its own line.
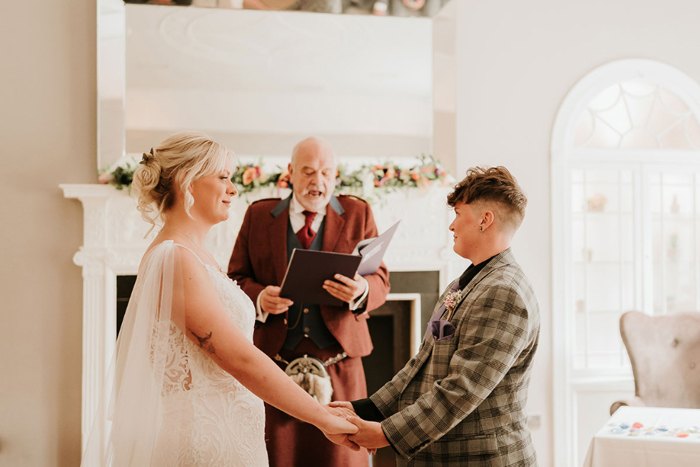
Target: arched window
{"x": 626, "y": 217}
{"x": 637, "y": 114}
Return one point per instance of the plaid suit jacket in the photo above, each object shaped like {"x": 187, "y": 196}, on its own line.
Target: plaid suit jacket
{"x": 461, "y": 401}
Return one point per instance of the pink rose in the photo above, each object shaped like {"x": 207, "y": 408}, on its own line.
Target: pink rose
{"x": 105, "y": 177}
{"x": 249, "y": 175}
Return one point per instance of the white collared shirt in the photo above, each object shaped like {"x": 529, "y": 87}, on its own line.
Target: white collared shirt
{"x": 298, "y": 219}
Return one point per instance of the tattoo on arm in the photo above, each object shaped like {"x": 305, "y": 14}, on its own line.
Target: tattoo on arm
{"x": 205, "y": 342}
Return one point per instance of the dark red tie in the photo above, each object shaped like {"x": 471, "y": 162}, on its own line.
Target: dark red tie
{"x": 305, "y": 234}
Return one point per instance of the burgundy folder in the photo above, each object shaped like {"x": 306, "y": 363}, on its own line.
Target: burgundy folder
{"x": 308, "y": 269}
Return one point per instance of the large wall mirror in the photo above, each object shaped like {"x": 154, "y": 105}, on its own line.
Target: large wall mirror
{"x": 259, "y": 81}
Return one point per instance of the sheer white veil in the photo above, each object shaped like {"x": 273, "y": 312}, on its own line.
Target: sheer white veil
{"x": 129, "y": 417}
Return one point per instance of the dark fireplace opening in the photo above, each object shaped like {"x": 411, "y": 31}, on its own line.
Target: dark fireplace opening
{"x": 426, "y": 283}
{"x": 389, "y": 327}
{"x": 125, "y": 284}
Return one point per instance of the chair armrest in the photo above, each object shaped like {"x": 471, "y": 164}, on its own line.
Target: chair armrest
{"x": 634, "y": 402}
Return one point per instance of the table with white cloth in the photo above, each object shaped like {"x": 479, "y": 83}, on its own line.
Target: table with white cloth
{"x": 647, "y": 437}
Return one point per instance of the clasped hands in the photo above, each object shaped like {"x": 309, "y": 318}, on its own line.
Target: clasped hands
{"x": 369, "y": 434}
{"x": 342, "y": 288}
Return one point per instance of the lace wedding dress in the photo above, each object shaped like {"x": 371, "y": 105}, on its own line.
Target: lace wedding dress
{"x": 172, "y": 405}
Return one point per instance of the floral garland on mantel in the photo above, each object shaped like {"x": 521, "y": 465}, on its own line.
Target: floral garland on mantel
{"x": 371, "y": 180}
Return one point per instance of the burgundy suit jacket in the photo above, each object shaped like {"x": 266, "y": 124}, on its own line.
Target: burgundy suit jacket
{"x": 259, "y": 259}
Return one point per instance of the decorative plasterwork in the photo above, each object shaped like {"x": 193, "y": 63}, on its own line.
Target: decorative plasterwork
{"x": 274, "y": 51}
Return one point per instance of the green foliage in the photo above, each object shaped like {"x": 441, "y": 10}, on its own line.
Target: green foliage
{"x": 380, "y": 178}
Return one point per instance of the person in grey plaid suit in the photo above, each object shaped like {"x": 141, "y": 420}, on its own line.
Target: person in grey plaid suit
{"x": 461, "y": 400}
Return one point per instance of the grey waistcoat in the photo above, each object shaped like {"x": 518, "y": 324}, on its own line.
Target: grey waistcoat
{"x": 302, "y": 323}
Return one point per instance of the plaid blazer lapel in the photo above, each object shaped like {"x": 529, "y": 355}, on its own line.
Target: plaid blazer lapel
{"x": 441, "y": 299}
{"x": 426, "y": 348}
{"x": 500, "y": 260}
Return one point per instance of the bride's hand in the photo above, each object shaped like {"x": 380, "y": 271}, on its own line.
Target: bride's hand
{"x": 337, "y": 430}
{"x": 340, "y": 410}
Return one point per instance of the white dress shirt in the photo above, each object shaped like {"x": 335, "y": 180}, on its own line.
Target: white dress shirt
{"x": 298, "y": 219}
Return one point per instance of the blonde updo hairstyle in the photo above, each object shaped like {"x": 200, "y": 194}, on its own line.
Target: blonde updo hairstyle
{"x": 174, "y": 165}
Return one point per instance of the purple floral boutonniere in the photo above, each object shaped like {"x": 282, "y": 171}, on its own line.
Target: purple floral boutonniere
{"x": 452, "y": 299}
{"x": 442, "y": 329}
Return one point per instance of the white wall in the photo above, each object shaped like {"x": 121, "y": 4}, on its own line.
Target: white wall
{"x": 516, "y": 61}
{"x": 47, "y": 129}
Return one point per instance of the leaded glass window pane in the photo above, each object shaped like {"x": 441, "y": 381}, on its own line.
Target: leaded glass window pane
{"x": 637, "y": 115}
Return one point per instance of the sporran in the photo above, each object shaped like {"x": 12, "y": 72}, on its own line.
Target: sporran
{"x": 311, "y": 375}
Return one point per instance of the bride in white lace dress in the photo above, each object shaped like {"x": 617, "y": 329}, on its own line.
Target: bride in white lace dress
{"x": 187, "y": 382}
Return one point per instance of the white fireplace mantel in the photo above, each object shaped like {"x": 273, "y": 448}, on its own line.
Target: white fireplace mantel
{"x": 113, "y": 244}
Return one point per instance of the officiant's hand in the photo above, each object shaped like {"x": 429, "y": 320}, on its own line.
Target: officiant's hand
{"x": 344, "y": 288}
{"x": 271, "y": 302}
{"x": 370, "y": 434}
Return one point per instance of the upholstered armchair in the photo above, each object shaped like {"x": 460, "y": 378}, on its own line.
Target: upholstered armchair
{"x": 665, "y": 356}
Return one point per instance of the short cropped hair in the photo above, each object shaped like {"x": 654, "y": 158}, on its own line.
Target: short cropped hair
{"x": 492, "y": 185}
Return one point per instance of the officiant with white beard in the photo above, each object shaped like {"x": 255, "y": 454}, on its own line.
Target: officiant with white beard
{"x": 312, "y": 218}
